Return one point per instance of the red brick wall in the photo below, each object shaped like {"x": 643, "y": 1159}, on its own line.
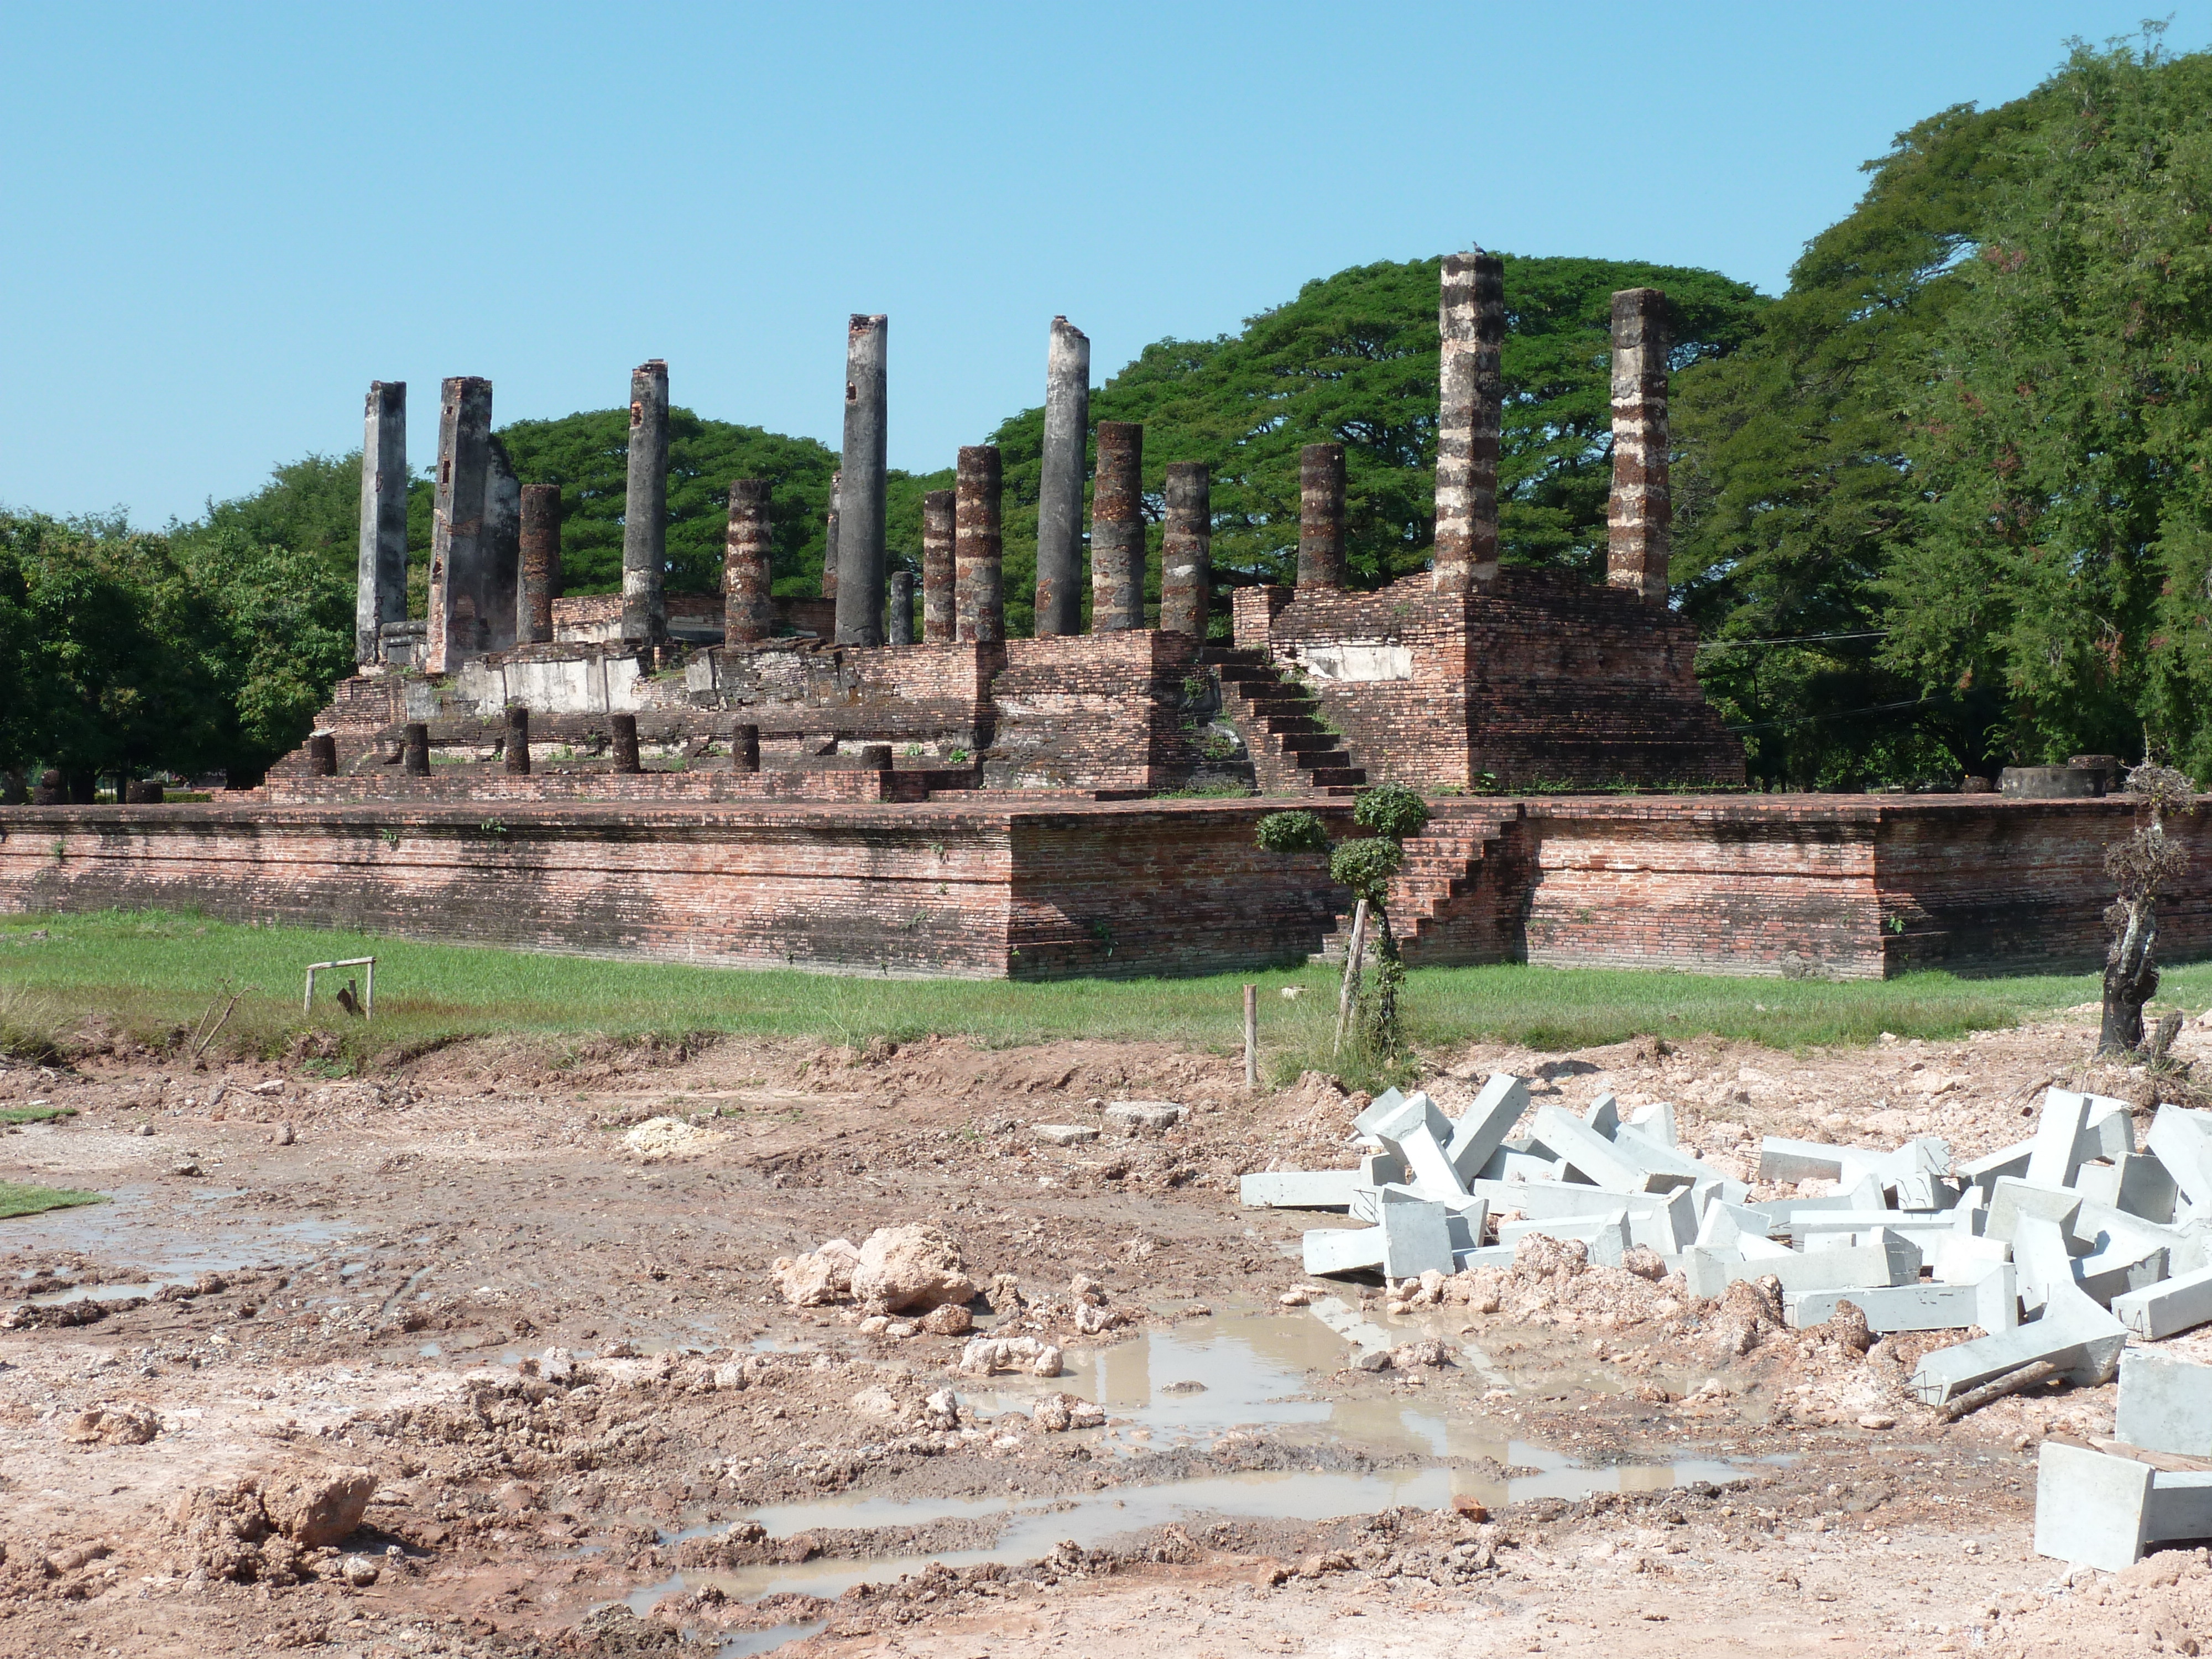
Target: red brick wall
{"x": 1096, "y": 711}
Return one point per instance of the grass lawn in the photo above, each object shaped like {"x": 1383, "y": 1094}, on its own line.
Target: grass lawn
{"x": 16, "y": 1199}
{"x": 157, "y": 975}
{"x": 35, "y": 1114}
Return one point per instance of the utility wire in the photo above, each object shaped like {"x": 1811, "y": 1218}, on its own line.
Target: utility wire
{"x": 1797, "y": 639}
{"x": 1834, "y": 714}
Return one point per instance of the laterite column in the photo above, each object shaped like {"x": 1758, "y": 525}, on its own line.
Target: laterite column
{"x": 1186, "y": 550}
{"x": 1320, "y": 516}
{"x": 938, "y": 512}
{"x": 517, "y": 749}
{"x": 1471, "y": 318}
{"x": 1060, "y": 494}
{"x": 978, "y": 581}
{"x": 1639, "y": 514}
{"x": 898, "y": 614}
{"x": 861, "y": 505}
{"x": 456, "y": 630}
{"x": 380, "y": 583}
{"x": 541, "y": 563}
{"x": 1117, "y": 529}
{"x": 748, "y": 612}
{"x": 645, "y": 509}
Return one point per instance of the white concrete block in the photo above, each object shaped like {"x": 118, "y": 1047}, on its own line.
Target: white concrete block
{"x": 2181, "y": 1304}
{"x": 1782, "y": 1159}
{"x": 2090, "y": 1508}
{"x": 1907, "y": 1307}
{"x": 1819, "y": 1270}
{"x": 1982, "y": 1172}
{"x": 1482, "y": 1128}
{"x": 1598, "y": 1159}
{"x": 2180, "y": 1506}
{"x": 2135, "y": 1182}
{"x": 2011, "y": 1199}
{"x": 2109, "y": 1131}
{"x": 1656, "y": 1121}
{"x": 1419, "y": 1149}
{"x": 1504, "y": 1164}
{"x": 1416, "y": 1236}
{"x": 2119, "y": 1270}
{"x": 1296, "y": 1189}
{"x": 1724, "y": 1224}
{"x": 1134, "y": 1117}
{"x": 2076, "y": 1335}
{"x": 2182, "y": 1141}
{"x": 1378, "y": 1110}
{"x": 2052, "y": 1160}
{"x": 1490, "y": 1255}
{"x": 1753, "y": 1248}
{"x": 1343, "y": 1249}
{"x": 2166, "y": 1404}
{"x": 1381, "y": 1169}
{"x": 1706, "y": 1269}
{"x": 1603, "y": 1116}
{"x": 1961, "y": 1259}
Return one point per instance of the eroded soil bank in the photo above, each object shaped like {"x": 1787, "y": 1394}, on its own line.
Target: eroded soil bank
{"x": 595, "y": 1426}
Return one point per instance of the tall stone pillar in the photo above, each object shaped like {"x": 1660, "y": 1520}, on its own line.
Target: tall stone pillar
{"x": 1186, "y": 550}
{"x": 860, "y": 515}
{"x": 978, "y": 579}
{"x": 541, "y": 563}
{"x": 498, "y": 561}
{"x": 645, "y": 508}
{"x": 938, "y": 624}
{"x": 381, "y": 586}
{"x": 829, "y": 539}
{"x": 1471, "y": 317}
{"x": 1117, "y": 529}
{"x": 516, "y": 750}
{"x": 1639, "y": 514}
{"x": 1320, "y": 516}
{"x": 1059, "y": 494}
{"x": 748, "y": 612}
{"x": 898, "y": 614}
{"x": 456, "y": 630}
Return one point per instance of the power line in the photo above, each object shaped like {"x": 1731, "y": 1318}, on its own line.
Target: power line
{"x": 1832, "y": 715}
{"x": 1798, "y": 639}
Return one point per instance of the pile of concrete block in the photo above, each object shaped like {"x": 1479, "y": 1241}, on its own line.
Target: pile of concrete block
{"x": 2102, "y": 1503}
{"x": 2057, "y": 1248}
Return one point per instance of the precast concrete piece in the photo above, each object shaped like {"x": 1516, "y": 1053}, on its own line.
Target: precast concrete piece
{"x": 1805, "y": 1229}
{"x": 2180, "y": 1506}
{"x": 1607, "y": 1235}
{"x": 1982, "y": 1172}
{"x": 1711, "y": 1271}
{"x": 1603, "y": 1115}
{"x": 1489, "y": 1255}
{"x": 2119, "y": 1270}
{"x": 2091, "y": 1508}
{"x": 2181, "y": 1304}
{"x": 1725, "y": 1223}
{"x": 1521, "y": 1168}
{"x": 2109, "y": 1132}
{"x": 1656, "y": 1121}
{"x": 2135, "y": 1182}
{"x": 1296, "y": 1189}
{"x": 1782, "y": 1159}
{"x": 1961, "y": 1258}
{"x": 2075, "y": 1335}
{"x": 2051, "y": 1159}
{"x": 2182, "y": 1140}
{"x": 1482, "y": 1128}
{"x": 2011, "y": 1200}
{"x": 1416, "y": 1236}
{"x": 1596, "y": 1159}
{"x": 1342, "y": 1249}
{"x": 2166, "y": 1404}
{"x": 1991, "y": 1303}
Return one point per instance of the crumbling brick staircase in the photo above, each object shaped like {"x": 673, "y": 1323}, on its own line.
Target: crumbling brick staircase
{"x": 1292, "y": 752}
{"x": 1443, "y": 911}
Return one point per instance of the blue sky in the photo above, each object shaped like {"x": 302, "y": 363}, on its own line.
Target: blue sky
{"x": 224, "y": 222}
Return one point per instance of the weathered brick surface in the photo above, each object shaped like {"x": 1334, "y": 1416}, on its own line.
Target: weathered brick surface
{"x": 1543, "y": 679}
{"x": 1101, "y": 711}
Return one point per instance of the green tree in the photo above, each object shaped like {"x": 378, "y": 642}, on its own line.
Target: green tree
{"x": 2058, "y": 555}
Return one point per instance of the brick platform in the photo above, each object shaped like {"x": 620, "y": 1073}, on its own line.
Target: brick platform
{"x": 994, "y": 885}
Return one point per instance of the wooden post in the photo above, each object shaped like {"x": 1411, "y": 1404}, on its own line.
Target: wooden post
{"x": 1351, "y": 956}
{"x": 1252, "y": 1038}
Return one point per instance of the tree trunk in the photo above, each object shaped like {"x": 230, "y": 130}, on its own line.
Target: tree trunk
{"x": 2131, "y": 980}
{"x": 1389, "y": 975}
{"x": 1351, "y": 988}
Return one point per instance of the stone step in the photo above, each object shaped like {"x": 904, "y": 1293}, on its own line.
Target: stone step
{"x": 1299, "y": 741}
{"x": 1347, "y": 778}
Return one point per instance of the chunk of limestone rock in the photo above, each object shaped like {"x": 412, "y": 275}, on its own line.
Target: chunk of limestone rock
{"x": 2166, "y": 1404}
{"x": 2076, "y": 1335}
{"x": 1482, "y": 1128}
{"x": 1065, "y": 1134}
{"x": 2159, "y": 1311}
{"x": 1135, "y": 1117}
{"x": 2091, "y": 1508}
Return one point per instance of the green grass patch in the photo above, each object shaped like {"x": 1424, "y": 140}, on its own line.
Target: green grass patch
{"x": 156, "y": 977}
{"x": 18, "y": 1199}
{"x": 35, "y": 1114}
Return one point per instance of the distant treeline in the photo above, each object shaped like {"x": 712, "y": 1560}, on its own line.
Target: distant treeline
{"x": 1943, "y": 505}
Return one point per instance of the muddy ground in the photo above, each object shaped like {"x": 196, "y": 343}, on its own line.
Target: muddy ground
{"x": 596, "y": 1427}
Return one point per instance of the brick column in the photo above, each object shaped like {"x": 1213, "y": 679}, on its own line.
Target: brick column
{"x": 541, "y": 563}
{"x": 517, "y": 753}
{"x": 623, "y": 730}
{"x": 745, "y": 747}
{"x": 748, "y": 613}
{"x": 978, "y": 581}
{"x": 1117, "y": 529}
{"x": 456, "y": 630}
{"x": 1060, "y": 494}
{"x": 380, "y": 584}
{"x": 322, "y": 755}
{"x": 1471, "y": 319}
{"x": 938, "y": 626}
{"x": 414, "y": 754}
{"x": 829, "y": 539}
{"x": 861, "y": 508}
{"x": 1186, "y": 550}
{"x": 499, "y": 550}
{"x": 1640, "y": 513}
{"x": 645, "y": 508}
{"x": 1320, "y": 516}
{"x": 898, "y": 614}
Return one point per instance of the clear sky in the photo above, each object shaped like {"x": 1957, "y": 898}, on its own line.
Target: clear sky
{"x": 223, "y": 221}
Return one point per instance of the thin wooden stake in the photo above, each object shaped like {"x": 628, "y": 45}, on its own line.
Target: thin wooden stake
{"x": 1351, "y": 956}
{"x": 1252, "y": 1038}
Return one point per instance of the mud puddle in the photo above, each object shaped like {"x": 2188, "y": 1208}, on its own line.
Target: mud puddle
{"x": 165, "y": 1238}
{"x": 1253, "y": 1370}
